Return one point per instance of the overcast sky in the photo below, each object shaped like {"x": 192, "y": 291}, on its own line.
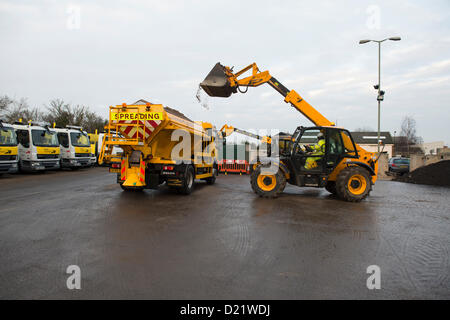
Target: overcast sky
{"x": 101, "y": 53}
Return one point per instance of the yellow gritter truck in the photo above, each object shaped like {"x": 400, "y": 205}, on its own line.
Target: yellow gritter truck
{"x": 160, "y": 145}
{"x": 8, "y": 149}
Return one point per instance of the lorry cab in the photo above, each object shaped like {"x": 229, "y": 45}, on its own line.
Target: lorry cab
{"x": 38, "y": 147}
{"x": 93, "y": 139}
{"x": 8, "y": 149}
{"x": 75, "y": 147}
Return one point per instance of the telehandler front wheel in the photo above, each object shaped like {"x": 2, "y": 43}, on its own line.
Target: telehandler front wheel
{"x": 267, "y": 185}
{"x": 353, "y": 184}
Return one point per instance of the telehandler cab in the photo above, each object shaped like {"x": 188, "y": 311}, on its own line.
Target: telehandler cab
{"x": 341, "y": 166}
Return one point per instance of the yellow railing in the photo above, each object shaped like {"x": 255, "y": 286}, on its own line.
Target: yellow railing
{"x": 114, "y": 136}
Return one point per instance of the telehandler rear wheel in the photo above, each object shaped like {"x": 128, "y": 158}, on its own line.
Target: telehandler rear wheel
{"x": 267, "y": 185}
{"x": 353, "y": 184}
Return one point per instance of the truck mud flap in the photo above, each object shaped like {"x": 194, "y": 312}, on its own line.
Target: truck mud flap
{"x": 151, "y": 180}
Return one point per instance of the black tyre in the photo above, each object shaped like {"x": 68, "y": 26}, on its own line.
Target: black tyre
{"x": 267, "y": 185}
{"x": 353, "y": 184}
{"x": 212, "y": 180}
{"x": 188, "y": 181}
{"x": 331, "y": 187}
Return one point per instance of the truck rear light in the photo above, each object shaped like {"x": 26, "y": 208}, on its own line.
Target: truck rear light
{"x": 169, "y": 168}
{"x": 115, "y": 165}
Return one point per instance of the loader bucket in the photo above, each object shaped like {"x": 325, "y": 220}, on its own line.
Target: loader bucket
{"x": 216, "y": 83}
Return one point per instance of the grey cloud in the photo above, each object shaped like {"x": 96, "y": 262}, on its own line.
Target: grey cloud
{"x": 160, "y": 50}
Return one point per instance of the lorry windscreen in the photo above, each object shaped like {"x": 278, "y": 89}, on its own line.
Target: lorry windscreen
{"x": 7, "y": 137}
{"x": 44, "y": 138}
{"x": 79, "y": 139}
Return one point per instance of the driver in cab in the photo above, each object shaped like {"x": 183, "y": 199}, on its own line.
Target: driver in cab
{"x": 317, "y": 149}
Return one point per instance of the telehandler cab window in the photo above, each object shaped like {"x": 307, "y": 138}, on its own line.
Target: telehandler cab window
{"x": 349, "y": 147}
{"x": 79, "y": 139}
{"x": 309, "y": 137}
{"x": 336, "y": 147}
{"x": 7, "y": 137}
{"x": 44, "y": 138}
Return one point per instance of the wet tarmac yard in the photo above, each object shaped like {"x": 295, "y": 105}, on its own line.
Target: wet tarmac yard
{"x": 221, "y": 242}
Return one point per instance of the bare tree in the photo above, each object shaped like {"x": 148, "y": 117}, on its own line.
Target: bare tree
{"x": 93, "y": 122}
{"x": 58, "y": 112}
{"x": 63, "y": 114}
{"x": 5, "y": 102}
{"x": 20, "y": 110}
{"x": 408, "y": 134}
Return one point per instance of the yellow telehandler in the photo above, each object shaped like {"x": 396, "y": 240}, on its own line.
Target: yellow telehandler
{"x": 319, "y": 156}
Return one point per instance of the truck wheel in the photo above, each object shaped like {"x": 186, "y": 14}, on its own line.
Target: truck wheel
{"x": 331, "y": 187}
{"x": 353, "y": 184}
{"x": 267, "y": 185}
{"x": 212, "y": 180}
{"x": 188, "y": 181}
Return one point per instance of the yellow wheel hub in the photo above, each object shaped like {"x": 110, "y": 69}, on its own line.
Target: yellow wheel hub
{"x": 266, "y": 182}
{"x": 357, "y": 184}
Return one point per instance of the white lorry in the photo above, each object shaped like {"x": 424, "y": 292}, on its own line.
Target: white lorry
{"x": 75, "y": 147}
{"x": 38, "y": 147}
{"x": 8, "y": 149}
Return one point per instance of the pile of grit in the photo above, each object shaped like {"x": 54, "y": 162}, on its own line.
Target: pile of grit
{"x": 437, "y": 174}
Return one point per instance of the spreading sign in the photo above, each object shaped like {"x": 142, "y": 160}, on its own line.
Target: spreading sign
{"x": 123, "y": 116}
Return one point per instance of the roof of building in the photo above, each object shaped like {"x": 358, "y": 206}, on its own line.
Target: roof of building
{"x": 370, "y": 137}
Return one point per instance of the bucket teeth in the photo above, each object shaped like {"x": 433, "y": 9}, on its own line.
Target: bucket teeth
{"x": 216, "y": 83}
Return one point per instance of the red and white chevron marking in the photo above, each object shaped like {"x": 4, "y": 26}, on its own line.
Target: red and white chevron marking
{"x": 131, "y": 131}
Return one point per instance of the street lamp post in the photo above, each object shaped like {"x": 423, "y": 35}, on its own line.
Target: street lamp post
{"x": 395, "y": 146}
{"x": 380, "y": 96}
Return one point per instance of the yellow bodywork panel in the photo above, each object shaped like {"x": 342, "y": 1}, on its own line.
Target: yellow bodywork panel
{"x": 202, "y": 176}
{"x": 132, "y": 179}
{"x": 93, "y": 139}
{"x": 82, "y": 149}
{"x": 47, "y": 150}
{"x": 8, "y": 151}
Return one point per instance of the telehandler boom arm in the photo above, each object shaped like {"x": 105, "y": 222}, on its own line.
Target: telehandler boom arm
{"x": 226, "y": 130}
{"x": 222, "y": 82}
